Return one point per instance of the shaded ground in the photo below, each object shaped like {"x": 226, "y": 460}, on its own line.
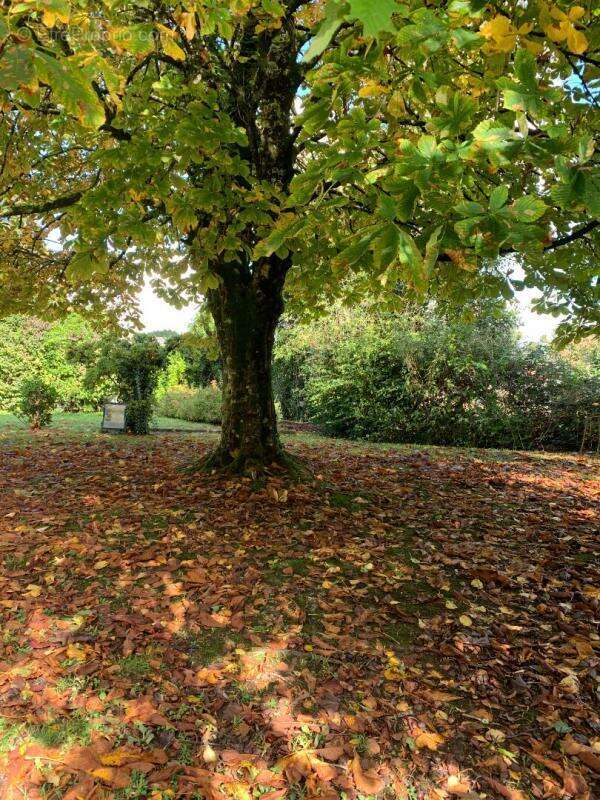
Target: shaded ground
{"x": 416, "y": 624}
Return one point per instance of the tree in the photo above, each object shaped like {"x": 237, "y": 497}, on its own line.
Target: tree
{"x": 37, "y": 401}
{"x": 30, "y": 347}
{"x": 135, "y": 366}
{"x": 237, "y": 147}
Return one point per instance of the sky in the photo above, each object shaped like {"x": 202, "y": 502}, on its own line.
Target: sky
{"x": 158, "y": 315}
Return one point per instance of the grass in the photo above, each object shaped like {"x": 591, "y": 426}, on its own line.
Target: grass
{"x": 90, "y": 422}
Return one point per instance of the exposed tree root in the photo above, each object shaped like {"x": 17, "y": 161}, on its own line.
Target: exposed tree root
{"x": 275, "y": 463}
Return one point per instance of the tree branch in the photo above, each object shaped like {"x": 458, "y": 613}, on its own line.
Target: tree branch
{"x": 572, "y": 237}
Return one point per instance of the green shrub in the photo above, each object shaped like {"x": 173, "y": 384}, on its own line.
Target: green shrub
{"x": 37, "y": 401}
{"x": 133, "y": 365}
{"x": 195, "y": 405}
{"x": 425, "y": 378}
{"x": 30, "y": 347}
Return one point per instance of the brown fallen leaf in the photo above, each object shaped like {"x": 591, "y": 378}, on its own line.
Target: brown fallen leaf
{"x": 112, "y": 776}
{"x": 429, "y": 740}
{"x": 142, "y": 710}
{"x": 368, "y": 783}
{"x": 583, "y": 753}
{"x": 506, "y": 791}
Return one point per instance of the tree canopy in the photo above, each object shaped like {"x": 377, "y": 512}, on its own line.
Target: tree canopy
{"x": 427, "y": 141}
{"x": 234, "y": 147}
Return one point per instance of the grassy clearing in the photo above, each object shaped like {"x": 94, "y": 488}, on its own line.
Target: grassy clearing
{"x": 90, "y": 422}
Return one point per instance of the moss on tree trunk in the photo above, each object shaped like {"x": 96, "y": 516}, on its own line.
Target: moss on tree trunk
{"x": 246, "y": 308}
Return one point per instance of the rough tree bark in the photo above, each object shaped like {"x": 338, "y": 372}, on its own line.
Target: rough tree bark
{"x": 246, "y": 308}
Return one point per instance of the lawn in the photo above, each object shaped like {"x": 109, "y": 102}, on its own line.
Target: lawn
{"x": 413, "y": 623}
{"x": 90, "y": 423}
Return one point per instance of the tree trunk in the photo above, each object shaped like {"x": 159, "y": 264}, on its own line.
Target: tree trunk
{"x": 246, "y": 308}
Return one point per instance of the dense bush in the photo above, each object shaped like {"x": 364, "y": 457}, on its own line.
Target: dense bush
{"x": 37, "y": 401}
{"x": 134, "y": 366}
{"x": 30, "y": 347}
{"x": 202, "y": 404}
{"x": 424, "y": 378}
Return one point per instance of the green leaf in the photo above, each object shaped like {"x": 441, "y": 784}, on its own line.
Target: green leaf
{"x": 387, "y": 207}
{"x": 432, "y": 249}
{"x": 427, "y": 146}
{"x": 287, "y": 226}
{"x": 528, "y": 209}
{"x": 315, "y": 116}
{"x": 385, "y": 247}
{"x": 405, "y": 202}
{"x": 83, "y": 265}
{"x": 498, "y": 198}
{"x": 326, "y": 32}
{"x": 16, "y": 68}
{"x": 137, "y": 39}
{"x": 466, "y": 40}
{"x": 273, "y": 7}
{"x": 375, "y": 16}
{"x": 71, "y": 88}
{"x": 592, "y": 194}
{"x": 356, "y": 251}
{"x": 409, "y": 254}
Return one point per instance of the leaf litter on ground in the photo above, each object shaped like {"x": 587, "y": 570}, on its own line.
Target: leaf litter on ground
{"x": 419, "y": 624}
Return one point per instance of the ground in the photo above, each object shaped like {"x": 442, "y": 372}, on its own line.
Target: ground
{"x": 414, "y": 623}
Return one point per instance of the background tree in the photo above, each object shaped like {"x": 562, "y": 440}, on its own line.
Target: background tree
{"x": 134, "y": 366}
{"x": 330, "y": 147}
{"x": 32, "y": 347}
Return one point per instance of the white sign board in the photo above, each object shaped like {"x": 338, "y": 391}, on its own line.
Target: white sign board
{"x": 114, "y": 417}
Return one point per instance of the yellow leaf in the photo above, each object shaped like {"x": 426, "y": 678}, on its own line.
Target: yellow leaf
{"x": 477, "y": 583}
{"x": 558, "y": 33}
{"x": 49, "y": 19}
{"x": 465, "y": 620}
{"x": 396, "y": 106}
{"x": 77, "y": 652}
{"x": 500, "y": 34}
{"x": 392, "y": 674}
{"x": 371, "y": 89}
{"x": 535, "y": 48}
{"x": 118, "y": 757}
{"x": 100, "y": 564}
{"x": 172, "y": 49}
{"x": 576, "y": 41}
{"x": 33, "y": 590}
{"x": 429, "y": 740}
{"x": 188, "y": 22}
